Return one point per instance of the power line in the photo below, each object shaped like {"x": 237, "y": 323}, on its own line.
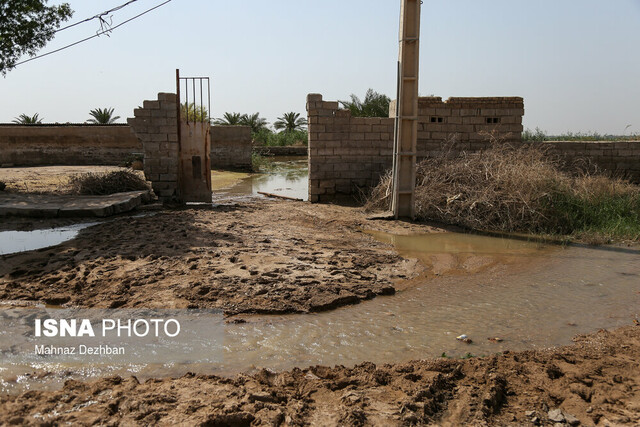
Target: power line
{"x": 98, "y": 16}
{"x": 98, "y": 34}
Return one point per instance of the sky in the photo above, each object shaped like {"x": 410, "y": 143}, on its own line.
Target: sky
{"x": 576, "y": 63}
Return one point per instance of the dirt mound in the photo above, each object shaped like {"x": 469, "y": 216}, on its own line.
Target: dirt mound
{"x": 594, "y": 382}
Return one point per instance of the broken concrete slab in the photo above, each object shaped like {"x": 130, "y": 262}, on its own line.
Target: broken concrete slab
{"x": 63, "y": 206}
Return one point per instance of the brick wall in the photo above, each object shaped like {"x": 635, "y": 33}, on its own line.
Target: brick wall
{"x": 345, "y": 153}
{"x": 466, "y": 122}
{"x": 43, "y": 145}
{"x": 350, "y": 153}
{"x": 619, "y": 158}
{"x": 156, "y": 125}
{"x": 38, "y": 145}
{"x": 231, "y": 147}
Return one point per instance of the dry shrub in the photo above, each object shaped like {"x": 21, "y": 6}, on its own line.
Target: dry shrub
{"x": 511, "y": 188}
{"x": 98, "y": 184}
{"x": 502, "y": 188}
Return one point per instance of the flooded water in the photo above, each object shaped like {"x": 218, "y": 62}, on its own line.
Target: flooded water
{"x": 21, "y": 241}
{"x": 527, "y": 294}
{"x": 284, "y": 176}
{"x": 562, "y": 292}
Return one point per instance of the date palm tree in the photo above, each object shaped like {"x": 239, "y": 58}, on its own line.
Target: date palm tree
{"x": 254, "y": 121}
{"x": 229, "y": 119}
{"x": 102, "y": 116}
{"x": 374, "y": 105}
{"x": 23, "y": 119}
{"x": 290, "y": 122}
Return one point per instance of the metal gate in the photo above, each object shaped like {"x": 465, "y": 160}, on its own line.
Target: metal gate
{"x": 194, "y": 104}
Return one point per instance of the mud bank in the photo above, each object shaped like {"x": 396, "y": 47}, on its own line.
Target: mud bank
{"x": 256, "y": 257}
{"x": 593, "y": 382}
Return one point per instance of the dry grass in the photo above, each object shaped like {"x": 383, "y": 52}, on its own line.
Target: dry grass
{"x": 98, "y": 184}
{"x": 523, "y": 189}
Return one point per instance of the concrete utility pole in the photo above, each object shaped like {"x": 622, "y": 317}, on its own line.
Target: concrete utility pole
{"x": 406, "y": 137}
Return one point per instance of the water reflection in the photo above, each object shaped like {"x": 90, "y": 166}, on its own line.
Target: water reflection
{"x": 284, "y": 176}
{"x": 21, "y": 241}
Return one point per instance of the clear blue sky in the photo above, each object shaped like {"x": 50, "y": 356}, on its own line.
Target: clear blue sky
{"x": 575, "y": 62}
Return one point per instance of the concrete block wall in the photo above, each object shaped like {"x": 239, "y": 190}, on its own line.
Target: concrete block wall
{"x": 231, "y": 146}
{"x": 39, "y": 145}
{"x": 466, "y": 123}
{"x": 156, "y": 125}
{"x": 618, "y": 158}
{"x": 345, "y": 153}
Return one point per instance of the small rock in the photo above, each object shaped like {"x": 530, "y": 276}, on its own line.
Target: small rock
{"x": 589, "y": 409}
{"x": 535, "y": 421}
{"x": 529, "y": 414}
{"x": 495, "y": 339}
{"x": 571, "y": 420}
{"x": 556, "y": 415}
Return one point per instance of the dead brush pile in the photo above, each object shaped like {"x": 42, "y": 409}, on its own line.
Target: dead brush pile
{"x": 99, "y": 184}
{"x": 509, "y": 188}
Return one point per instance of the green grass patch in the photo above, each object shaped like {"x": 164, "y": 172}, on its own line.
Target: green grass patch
{"x": 281, "y": 139}
{"x": 611, "y": 213}
{"x": 538, "y": 135}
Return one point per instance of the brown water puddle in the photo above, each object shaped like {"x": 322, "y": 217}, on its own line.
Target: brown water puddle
{"x": 528, "y": 294}
{"x": 462, "y": 254}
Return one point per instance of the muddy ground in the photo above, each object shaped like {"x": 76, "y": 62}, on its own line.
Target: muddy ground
{"x": 596, "y": 381}
{"x": 282, "y": 257}
{"x": 257, "y": 257}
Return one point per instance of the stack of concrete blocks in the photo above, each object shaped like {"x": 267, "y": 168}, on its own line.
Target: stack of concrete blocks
{"x": 345, "y": 153}
{"x": 231, "y": 147}
{"x": 349, "y": 154}
{"x": 156, "y": 125}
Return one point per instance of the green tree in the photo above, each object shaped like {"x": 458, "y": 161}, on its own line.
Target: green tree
{"x": 193, "y": 113}
{"x": 229, "y": 119}
{"x": 102, "y": 116}
{"x": 254, "y": 121}
{"x": 530, "y": 136}
{"x": 290, "y": 122}
{"x": 23, "y": 119}
{"x": 26, "y": 26}
{"x": 374, "y": 105}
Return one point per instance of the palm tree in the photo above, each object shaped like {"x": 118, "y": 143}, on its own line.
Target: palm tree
{"x": 290, "y": 122}
{"x": 374, "y": 105}
{"x": 229, "y": 119}
{"x": 23, "y": 119}
{"x": 254, "y": 121}
{"x": 102, "y": 116}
